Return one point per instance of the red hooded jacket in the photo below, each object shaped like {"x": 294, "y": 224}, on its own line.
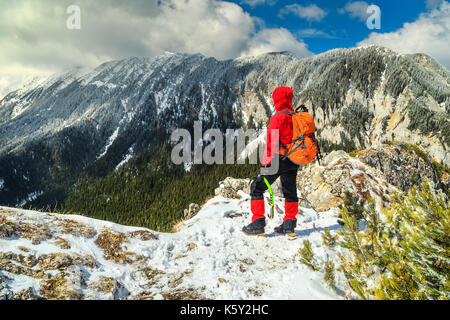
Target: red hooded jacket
{"x": 282, "y": 99}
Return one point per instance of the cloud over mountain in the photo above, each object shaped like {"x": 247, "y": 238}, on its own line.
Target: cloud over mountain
{"x": 36, "y": 41}
{"x": 429, "y": 34}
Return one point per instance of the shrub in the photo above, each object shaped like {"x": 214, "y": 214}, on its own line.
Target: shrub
{"x": 404, "y": 257}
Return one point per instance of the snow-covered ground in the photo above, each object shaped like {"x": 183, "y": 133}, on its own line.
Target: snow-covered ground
{"x": 208, "y": 258}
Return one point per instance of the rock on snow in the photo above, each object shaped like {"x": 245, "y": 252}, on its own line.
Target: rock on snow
{"x": 55, "y": 256}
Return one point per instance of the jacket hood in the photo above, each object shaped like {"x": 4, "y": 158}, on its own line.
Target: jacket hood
{"x": 282, "y": 99}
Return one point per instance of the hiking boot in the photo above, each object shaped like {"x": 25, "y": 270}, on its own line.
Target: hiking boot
{"x": 287, "y": 227}
{"x": 255, "y": 228}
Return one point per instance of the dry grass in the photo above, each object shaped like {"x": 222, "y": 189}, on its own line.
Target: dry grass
{"x": 105, "y": 285}
{"x": 236, "y": 215}
{"x": 184, "y": 294}
{"x": 11, "y": 267}
{"x": 75, "y": 228}
{"x": 24, "y": 249}
{"x": 37, "y": 232}
{"x": 8, "y": 228}
{"x": 178, "y": 226}
{"x": 111, "y": 242}
{"x": 86, "y": 260}
{"x": 58, "y": 288}
{"x": 144, "y": 295}
{"x": 55, "y": 261}
{"x": 62, "y": 243}
{"x": 151, "y": 274}
{"x": 144, "y": 235}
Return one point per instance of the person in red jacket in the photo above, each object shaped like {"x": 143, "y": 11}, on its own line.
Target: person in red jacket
{"x": 287, "y": 170}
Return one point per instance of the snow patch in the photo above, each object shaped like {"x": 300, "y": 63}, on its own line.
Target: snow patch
{"x": 111, "y": 140}
{"x": 30, "y": 197}
{"x": 126, "y": 158}
{"x": 187, "y": 166}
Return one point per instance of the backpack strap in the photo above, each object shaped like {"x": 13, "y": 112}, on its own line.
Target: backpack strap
{"x": 291, "y": 113}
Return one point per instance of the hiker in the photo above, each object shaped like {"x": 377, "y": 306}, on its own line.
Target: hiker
{"x": 301, "y": 150}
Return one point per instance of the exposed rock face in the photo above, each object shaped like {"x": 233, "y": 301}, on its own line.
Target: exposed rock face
{"x": 229, "y": 187}
{"x": 191, "y": 211}
{"x": 5, "y": 292}
{"x": 26, "y": 294}
{"x": 402, "y": 167}
{"x": 325, "y": 186}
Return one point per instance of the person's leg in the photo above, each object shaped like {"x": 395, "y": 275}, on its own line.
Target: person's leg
{"x": 289, "y": 187}
{"x": 257, "y": 189}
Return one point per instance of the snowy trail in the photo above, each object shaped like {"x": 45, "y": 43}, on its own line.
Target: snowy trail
{"x": 272, "y": 271}
{"x": 209, "y": 258}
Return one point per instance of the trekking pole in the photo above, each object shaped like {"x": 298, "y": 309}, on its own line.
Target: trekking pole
{"x": 271, "y": 198}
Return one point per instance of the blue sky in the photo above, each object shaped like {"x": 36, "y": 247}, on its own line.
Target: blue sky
{"x": 336, "y": 29}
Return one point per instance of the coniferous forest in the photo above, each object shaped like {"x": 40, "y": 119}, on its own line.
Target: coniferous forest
{"x": 148, "y": 191}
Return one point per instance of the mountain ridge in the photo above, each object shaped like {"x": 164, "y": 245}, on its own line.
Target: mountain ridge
{"x": 358, "y": 97}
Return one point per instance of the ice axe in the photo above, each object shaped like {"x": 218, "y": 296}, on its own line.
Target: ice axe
{"x": 271, "y": 198}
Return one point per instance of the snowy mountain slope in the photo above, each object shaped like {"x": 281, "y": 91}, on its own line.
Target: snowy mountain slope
{"x": 51, "y": 130}
{"x": 74, "y": 257}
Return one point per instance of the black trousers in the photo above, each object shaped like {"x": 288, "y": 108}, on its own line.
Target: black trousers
{"x": 287, "y": 172}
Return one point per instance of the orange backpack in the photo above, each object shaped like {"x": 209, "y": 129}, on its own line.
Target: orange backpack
{"x": 304, "y": 147}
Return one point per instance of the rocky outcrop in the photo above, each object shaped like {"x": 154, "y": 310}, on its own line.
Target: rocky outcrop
{"x": 5, "y": 292}
{"x": 403, "y": 166}
{"x": 191, "y": 211}
{"x": 325, "y": 186}
{"x": 229, "y": 187}
{"x": 26, "y": 294}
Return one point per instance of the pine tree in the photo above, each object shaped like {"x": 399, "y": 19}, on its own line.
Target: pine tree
{"x": 328, "y": 239}
{"x": 406, "y": 256}
{"x": 307, "y": 256}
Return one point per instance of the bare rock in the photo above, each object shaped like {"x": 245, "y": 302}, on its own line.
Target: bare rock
{"x": 229, "y": 187}
{"x": 143, "y": 235}
{"x": 5, "y": 292}
{"x": 63, "y": 286}
{"x": 403, "y": 165}
{"x": 26, "y": 294}
{"x": 108, "y": 286}
{"x": 337, "y": 154}
{"x": 55, "y": 261}
{"x": 113, "y": 245}
{"x": 191, "y": 211}
{"x": 325, "y": 186}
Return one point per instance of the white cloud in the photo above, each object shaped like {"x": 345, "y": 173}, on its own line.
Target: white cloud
{"x": 273, "y": 40}
{"x": 254, "y": 3}
{"x": 429, "y": 34}
{"x": 356, "y": 9}
{"x": 310, "y": 13}
{"x": 314, "y": 33}
{"x": 431, "y": 4}
{"x": 34, "y": 39}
